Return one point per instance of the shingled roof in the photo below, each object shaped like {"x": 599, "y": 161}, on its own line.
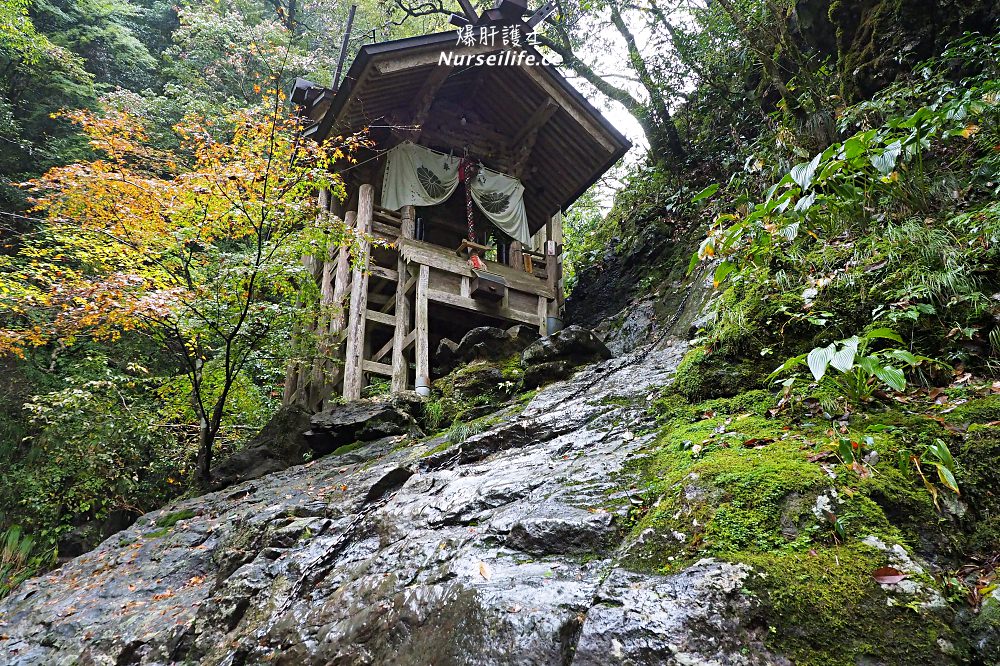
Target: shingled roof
{"x": 524, "y": 120}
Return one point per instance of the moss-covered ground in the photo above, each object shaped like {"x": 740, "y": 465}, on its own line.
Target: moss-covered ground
{"x": 737, "y": 479}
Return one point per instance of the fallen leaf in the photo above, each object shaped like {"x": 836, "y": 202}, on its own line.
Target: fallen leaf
{"x": 484, "y": 571}
{"x": 888, "y": 575}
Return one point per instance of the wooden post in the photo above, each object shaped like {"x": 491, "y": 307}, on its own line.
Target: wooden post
{"x": 304, "y": 373}
{"x": 517, "y": 255}
{"x": 353, "y": 372}
{"x": 400, "y": 364}
{"x": 421, "y": 342}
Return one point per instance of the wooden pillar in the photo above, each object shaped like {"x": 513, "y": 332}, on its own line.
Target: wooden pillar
{"x": 517, "y": 255}
{"x": 400, "y": 364}
{"x": 421, "y": 343}
{"x": 304, "y": 373}
{"x": 353, "y": 371}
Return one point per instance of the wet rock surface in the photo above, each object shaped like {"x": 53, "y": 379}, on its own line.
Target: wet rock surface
{"x": 363, "y": 421}
{"x": 498, "y": 550}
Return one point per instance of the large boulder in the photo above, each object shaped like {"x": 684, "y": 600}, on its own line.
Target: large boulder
{"x": 554, "y": 357}
{"x": 279, "y": 445}
{"x": 485, "y": 343}
{"x": 363, "y": 421}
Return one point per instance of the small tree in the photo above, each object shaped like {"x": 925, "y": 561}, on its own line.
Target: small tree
{"x": 199, "y": 248}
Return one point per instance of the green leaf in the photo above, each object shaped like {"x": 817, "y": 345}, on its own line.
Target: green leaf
{"x": 905, "y": 356}
{"x": 722, "y": 272}
{"x": 885, "y": 162}
{"x": 818, "y": 360}
{"x": 805, "y": 203}
{"x": 884, "y": 334}
{"x": 803, "y": 173}
{"x": 947, "y": 478}
{"x": 894, "y": 377}
{"x": 785, "y": 367}
{"x": 706, "y": 193}
{"x": 853, "y": 147}
{"x": 843, "y": 359}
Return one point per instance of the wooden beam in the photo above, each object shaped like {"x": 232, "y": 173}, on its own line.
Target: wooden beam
{"x": 400, "y": 364}
{"x": 378, "y": 368}
{"x": 390, "y": 232}
{"x": 428, "y": 91}
{"x": 384, "y": 273}
{"x": 443, "y": 259}
{"x": 497, "y": 310}
{"x": 386, "y": 348}
{"x": 517, "y": 255}
{"x": 524, "y": 142}
{"x": 420, "y": 326}
{"x": 543, "y": 312}
{"x": 572, "y": 107}
{"x": 353, "y": 366}
{"x": 469, "y": 11}
{"x": 387, "y": 319}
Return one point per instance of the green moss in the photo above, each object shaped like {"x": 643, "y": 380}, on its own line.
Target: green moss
{"x": 347, "y": 448}
{"x": 978, "y": 474}
{"x": 703, "y": 374}
{"x": 443, "y": 446}
{"x": 172, "y": 519}
{"x": 980, "y": 410}
{"x": 158, "y": 533}
{"x": 824, "y": 607}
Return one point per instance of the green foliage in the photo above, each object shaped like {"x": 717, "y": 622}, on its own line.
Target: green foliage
{"x": 20, "y": 558}
{"x": 860, "y": 370}
{"x": 96, "y": 448}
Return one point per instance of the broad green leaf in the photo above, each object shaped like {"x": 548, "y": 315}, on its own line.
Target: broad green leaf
{"x": 885, "y": 161}
{"x": 722, "y": 272}
{"x": 883, "y": 333}
{"x": 905, "y": 356}
{"x": 854, "y": 147}
{"x": 805, "y": 203}
{"x": 785, "y": 367}
{"x": 843, "y": 359}
{"x": 705, "y": 193}
{"x": 803, "y": 173}
{"x": 818, "y": 360}
{"x": 894, "y": 377}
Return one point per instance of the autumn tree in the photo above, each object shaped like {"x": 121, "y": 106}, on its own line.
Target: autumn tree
{"x": 198, "y": 248}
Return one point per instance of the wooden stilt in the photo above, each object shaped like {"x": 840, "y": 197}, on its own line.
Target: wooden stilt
{"x": 304, "y": 370}
{"x": 517, "y": 255}
{"x": 422, "y": 342}
{"x": 353, "y": 370}
{"x": 400, "y": 364}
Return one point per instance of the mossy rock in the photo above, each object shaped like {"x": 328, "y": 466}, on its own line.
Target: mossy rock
{"x": 471, "y": 390}
{"x": 825, "y": 608}
{"x": 724, "y": 480}
{"x": 702, "y": 375}
{"x": 978, "y": 470}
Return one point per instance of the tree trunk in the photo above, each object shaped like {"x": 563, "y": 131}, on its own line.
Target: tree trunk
{"x": 206, "y": 439}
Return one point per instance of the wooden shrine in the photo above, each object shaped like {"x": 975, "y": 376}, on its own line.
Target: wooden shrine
{"x": 523, "y": 124}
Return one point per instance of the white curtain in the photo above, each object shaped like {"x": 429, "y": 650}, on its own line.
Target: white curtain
{"x": 418, "y": 176}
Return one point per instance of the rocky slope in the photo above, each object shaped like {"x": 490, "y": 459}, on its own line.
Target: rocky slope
{"x": 603, "y": 519}
{"x": 501, "y": 549}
